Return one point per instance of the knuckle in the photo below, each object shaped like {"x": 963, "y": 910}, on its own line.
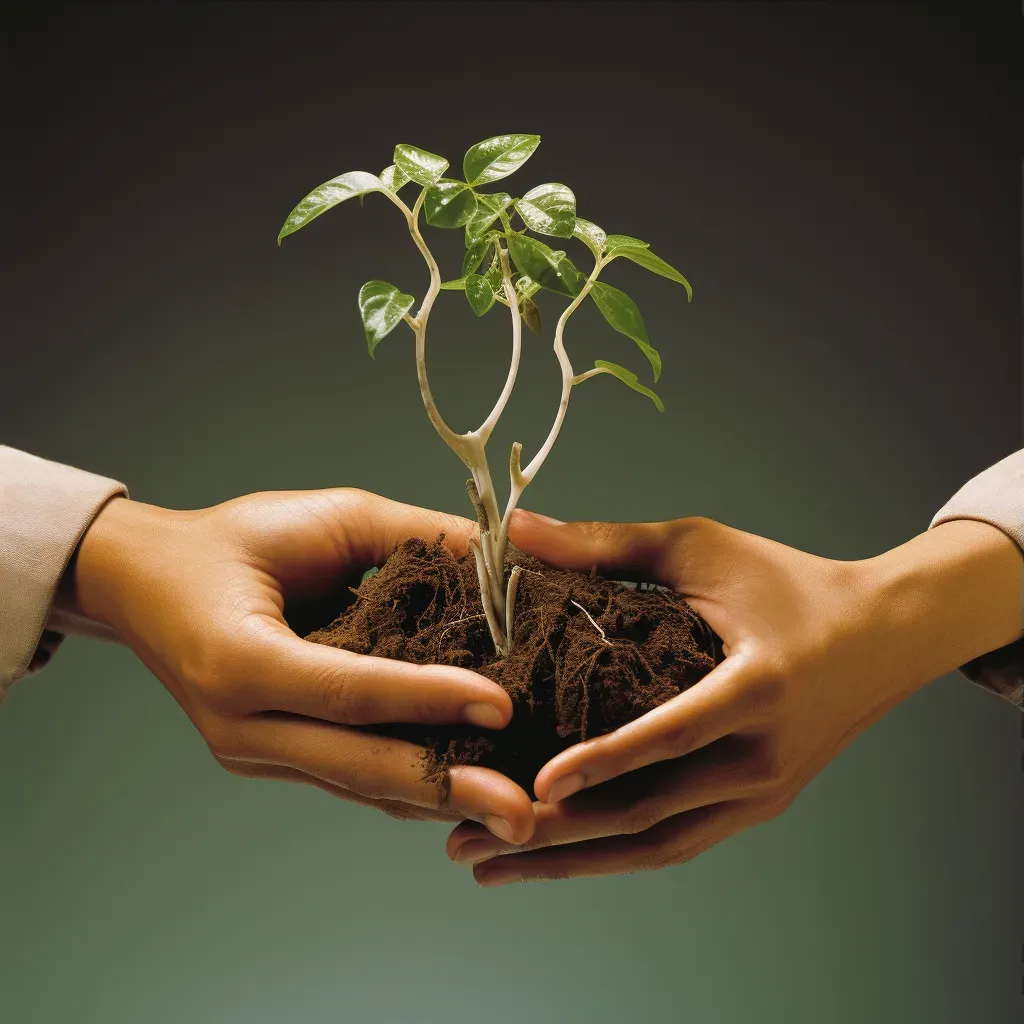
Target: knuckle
{"x": 680, "y": 736}
{"x": 782, "y": 802}
{"x": 344, "y": 700}
{"x": 684, "y": 531}
{"x": 224, "y": 741}
{"x": 335, "y": 697}
{"x": 773, "y": 770}
{"x": 772, "y": 807}
{"x": 767, "y": 689}
{"x": 341, "y": 498}
{"x": 690, "y": 524}
{"x": 226, "y": 692}
{"x": 211, "y": 675}
{"x": 354, "y": 503}
{"x": 640, "y": 817}
{"x": 355, "y": 496}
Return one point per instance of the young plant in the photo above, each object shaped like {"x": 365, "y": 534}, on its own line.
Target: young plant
{"x": 518, "y": 265}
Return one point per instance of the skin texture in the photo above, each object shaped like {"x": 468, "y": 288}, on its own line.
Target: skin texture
{"x": 816, "y": 651}
{"x": 200, "y": 597}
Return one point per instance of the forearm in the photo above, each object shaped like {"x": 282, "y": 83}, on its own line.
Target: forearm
{"x": 947, "y": 597}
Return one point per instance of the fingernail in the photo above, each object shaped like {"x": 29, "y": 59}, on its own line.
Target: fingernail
{"x": 487, "y": 716}
{"x": 491, "y": 879}
{"x": 565, "y": 787}
{"x": 500, "y": 827}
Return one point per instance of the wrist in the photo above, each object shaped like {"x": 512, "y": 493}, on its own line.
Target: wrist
{"x": 105, "y": 562}
{"x": 946, "y": 597}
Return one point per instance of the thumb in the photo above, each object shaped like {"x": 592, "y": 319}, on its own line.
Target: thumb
{"x": 640, "y": 552}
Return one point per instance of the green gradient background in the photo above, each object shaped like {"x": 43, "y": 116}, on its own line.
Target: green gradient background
{"x": 842, "y": 186}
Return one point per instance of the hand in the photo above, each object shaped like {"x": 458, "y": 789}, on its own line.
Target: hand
{"x": 816, "y": 651}
{"x": 200, "y": 597}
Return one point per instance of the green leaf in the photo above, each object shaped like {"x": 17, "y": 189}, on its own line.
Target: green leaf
{"x": 616, "y": 242}
{"x": 628, "y": 378}
{"x": 550, "y": 269}
{"x": 420, "y": 166}
{"x": 330, "y": 193}
{"x": 527, "y": 286}
{"x": 382, "y": 306}
{"x": 393, "y": 178}
{"x": 622, "y": 313}
{"x": 494, "y": 275}
{"x": 449, "y": 204}
{"x": 498, "y": 157}
{"x": 549, "y": 210}
{"x": 530, "y": 313}
{"x": 489, "y": 207}
{"x": 479, "y": 293}
{"x": 588, "y": 232}
{"x": 646, "y": 259}
{"x": 454, "y": 286}
{"x": 475, "y": 255}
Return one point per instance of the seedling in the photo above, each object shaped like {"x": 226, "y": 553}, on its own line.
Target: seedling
{"x": 518, "y": 265}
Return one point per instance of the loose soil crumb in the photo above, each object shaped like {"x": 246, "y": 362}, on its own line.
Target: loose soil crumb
{"x": 567, "y": 681}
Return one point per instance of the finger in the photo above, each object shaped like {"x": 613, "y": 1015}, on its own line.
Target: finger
{"x": 674, "y": 841}
{"x": 384, "y": 769}
{"x": 286, "y": 673}
{"x": 627, "y": 805}
{"x": 310, "y": 537}
{"x": 374, "y": 526}
{"x": 393, "y": 808}
{"x": 729, "y": 698}
{"x": 634, "y": 551}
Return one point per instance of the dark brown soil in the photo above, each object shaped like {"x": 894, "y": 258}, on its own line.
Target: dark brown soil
{"x": 566, "y": 681}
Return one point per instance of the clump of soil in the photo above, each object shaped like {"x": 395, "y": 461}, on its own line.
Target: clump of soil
{"x": 587, "y": 655}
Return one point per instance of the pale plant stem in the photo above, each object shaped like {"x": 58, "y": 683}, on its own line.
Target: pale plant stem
{"x": 517, "y": 347}
{"x": 497, "y": 633}
{"x": 488, "y": 537}
{"x": 457, "y": 442}
{"x": 510, "y": 603}
{"x": 471, "y": 446}
{"x": 490, "y": 545}
{"x": 487, "y": 494}
{"x": 566, "y": 367}
{"x": 520, "y": 479}
{"x": 581, "y": 377}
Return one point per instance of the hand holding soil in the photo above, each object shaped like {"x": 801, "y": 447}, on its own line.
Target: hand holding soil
{"x": 816, "y": 651}
{"x": 207, "y": 599}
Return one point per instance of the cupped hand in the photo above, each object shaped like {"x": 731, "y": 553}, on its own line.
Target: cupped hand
{"x": 816, "y": 650}
{"x": 200, "y": 597}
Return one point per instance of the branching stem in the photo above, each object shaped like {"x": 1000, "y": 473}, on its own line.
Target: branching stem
{"x": 490, "y": 546}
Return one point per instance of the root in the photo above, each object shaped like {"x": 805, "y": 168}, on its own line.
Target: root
{"x": 604, "y": 638}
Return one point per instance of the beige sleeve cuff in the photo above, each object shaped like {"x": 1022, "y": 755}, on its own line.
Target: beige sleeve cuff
{"x": 996, "y": 497}
{"x": 45, "y": 508}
